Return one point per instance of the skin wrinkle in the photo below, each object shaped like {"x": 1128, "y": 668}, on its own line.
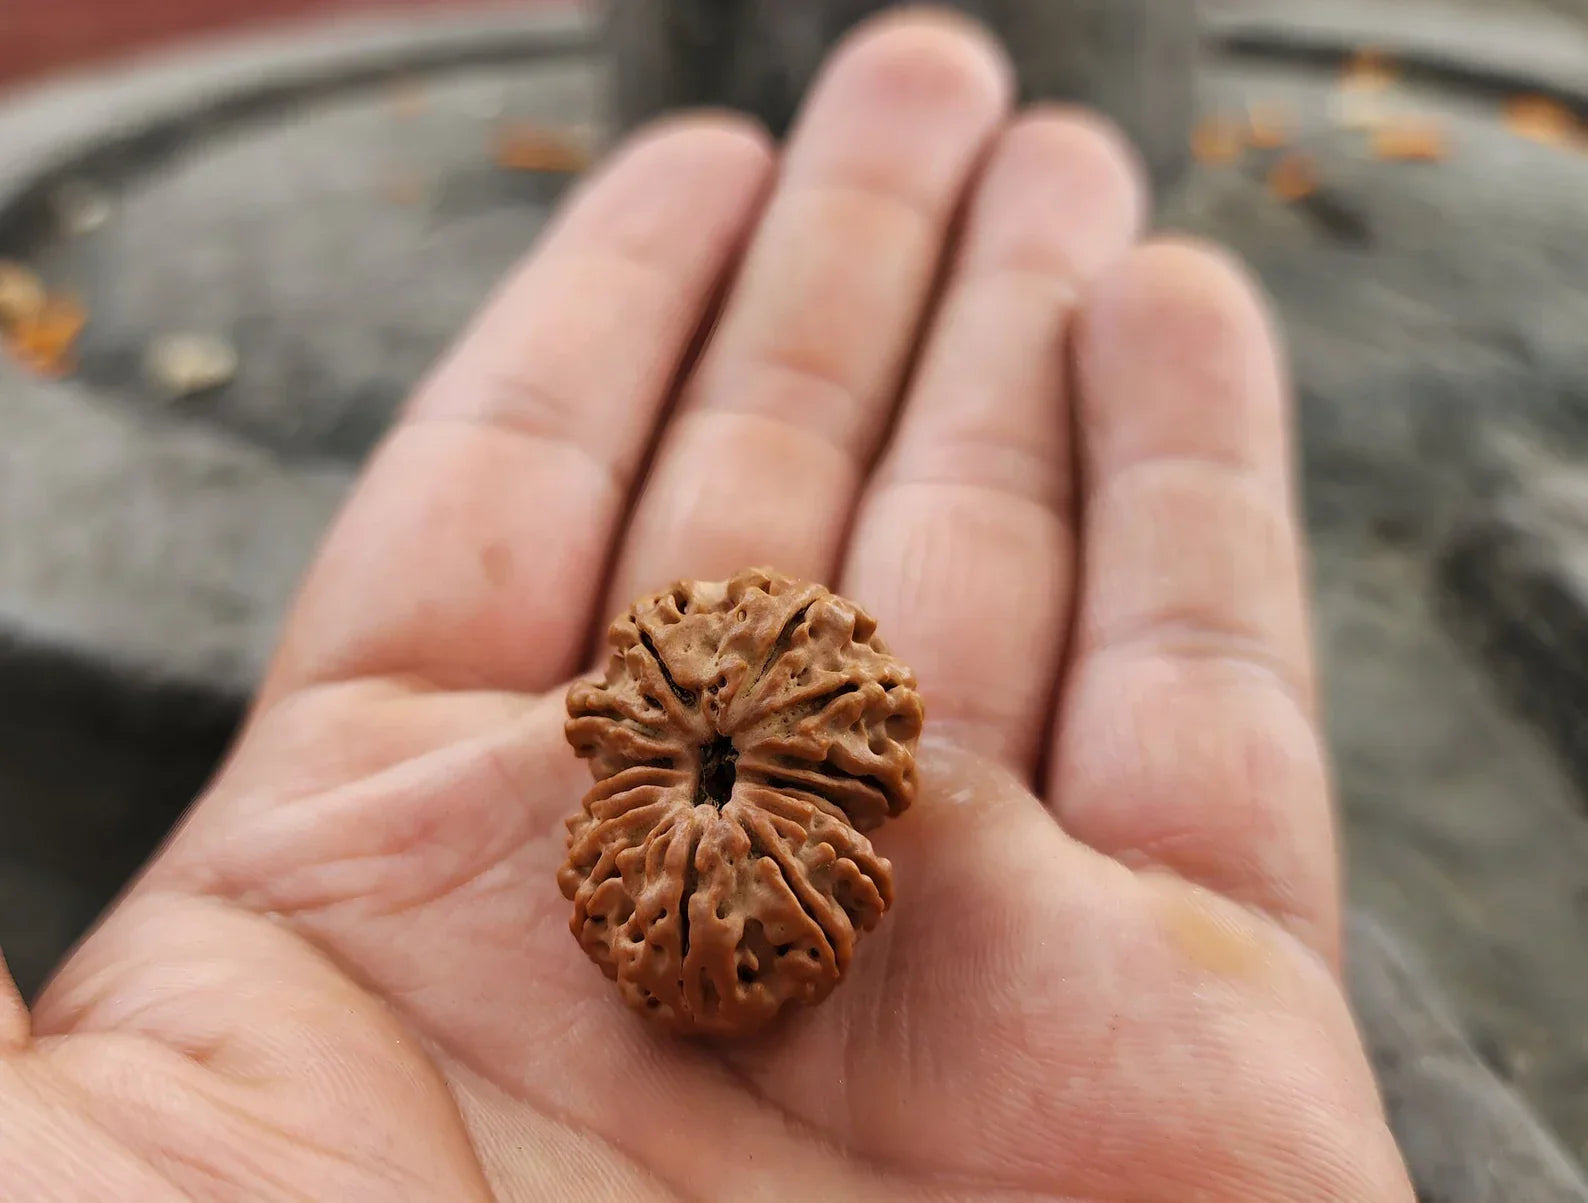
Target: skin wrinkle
{"x": 206, "y": 1059}
{"x": 320, "y": 701}
{"x": 1019, "y": 463}
{"x": 330, "y": 1154}
{"x": 693, "y": 502}
{"x": 1109, "y": 490}
{"x": 87, "y": 1117}
{"x": 825, "y": 399}
{"x": 1002, "y": 718}
{"x": 257, "y": 897}
{"x": 884, "y": 1167}
{"x": 323, "y": 951}
{"x": 1184, "y": 635}
{"x": 1276, "y": 900}
{"x": 727, "y": 1075}
{"x": 367, "y": 650}
{"x": 542, "y": 1108}
{"x": 610, "y": 477}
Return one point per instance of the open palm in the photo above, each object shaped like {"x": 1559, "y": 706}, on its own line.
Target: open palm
{"x": 922, "y": 359}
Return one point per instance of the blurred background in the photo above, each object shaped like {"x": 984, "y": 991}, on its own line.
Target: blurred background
{"x": 233, "y": 233}
{"x": 40, "y": 38}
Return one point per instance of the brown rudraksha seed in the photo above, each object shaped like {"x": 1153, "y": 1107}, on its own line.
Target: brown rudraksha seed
{"x": 746, "y": 735}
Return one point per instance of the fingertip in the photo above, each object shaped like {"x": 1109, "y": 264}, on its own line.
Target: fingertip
{"x": 1062, "y": 193}
{"x": 1188, "y": 322}
{"x": 935, "y": 56}
{"x": 704, "y": 137}
{"x": 709, "y": 168}
{"x": 1098, "y": 151}
{"x": 1187, "y": 290}
{"x": 1208, "y": 268}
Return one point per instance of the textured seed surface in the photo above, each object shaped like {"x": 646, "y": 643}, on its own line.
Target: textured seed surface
{"x": 746, "y": 736}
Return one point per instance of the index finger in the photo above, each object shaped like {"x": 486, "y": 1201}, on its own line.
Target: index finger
{"x": 473, "y": 550}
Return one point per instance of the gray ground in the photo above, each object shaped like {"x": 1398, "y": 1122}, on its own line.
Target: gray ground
{"x": 1435, "y": 312}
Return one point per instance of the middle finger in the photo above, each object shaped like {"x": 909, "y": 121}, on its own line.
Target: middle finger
{"x": 962, "y": 548}
{"x": 794, "y": 391}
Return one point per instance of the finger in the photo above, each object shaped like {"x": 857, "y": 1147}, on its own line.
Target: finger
{"x": 796, "y": 387}
{"x": 1186, "y": 733}
{"x": 474, "y": 550}
{"x": 968, "y": 524}
{"x": 14, "y": 1023}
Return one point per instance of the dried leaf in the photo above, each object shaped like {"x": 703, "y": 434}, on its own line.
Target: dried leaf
{"x": 22, "y": 295}
{"x": 1294, "y": 177}
{"x": 1368, "y": 71}
{"x": 1218, "y": 140}
{"x": 525, "y": 146}
{"x": 43, "y": 342}
{"x": 1411, "y": 140}
{"x": 1540, "y": 119}
{"x": 1267, "y": 126}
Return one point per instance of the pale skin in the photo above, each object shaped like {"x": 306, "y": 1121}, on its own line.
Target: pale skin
{"x": 1056, "y": 471}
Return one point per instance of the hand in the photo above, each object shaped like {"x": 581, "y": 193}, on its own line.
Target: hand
{"x": 1113, "y": 968}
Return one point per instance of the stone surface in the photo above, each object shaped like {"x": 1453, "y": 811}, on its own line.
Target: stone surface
{"x": 1515, "y": 585}
{"x": 148, "y": 546}
{"x": 1444, "y": 1102}
{"x": 1132, "y": 59}
{"x": 1435, "y": 312}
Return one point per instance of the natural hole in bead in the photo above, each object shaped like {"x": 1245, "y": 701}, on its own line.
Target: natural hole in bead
{"x": 718, "y": 771}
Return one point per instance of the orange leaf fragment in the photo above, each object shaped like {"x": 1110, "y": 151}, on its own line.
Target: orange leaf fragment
{"x": 22, "y": 294}
{"x": 1540, "y": 119}
{"x": 1368, "y": 71}
{"x": 1411, "y": 140}
{"x": 1217, "y": 140}
{"x": 1267, "y": 126}
{"x": 43, "y": 341}
{"x": 1293, "y": 178}
{"x": 528, "y": 147}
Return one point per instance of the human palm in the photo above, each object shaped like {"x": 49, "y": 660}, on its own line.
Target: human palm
{"x": 1112, "y": 970}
